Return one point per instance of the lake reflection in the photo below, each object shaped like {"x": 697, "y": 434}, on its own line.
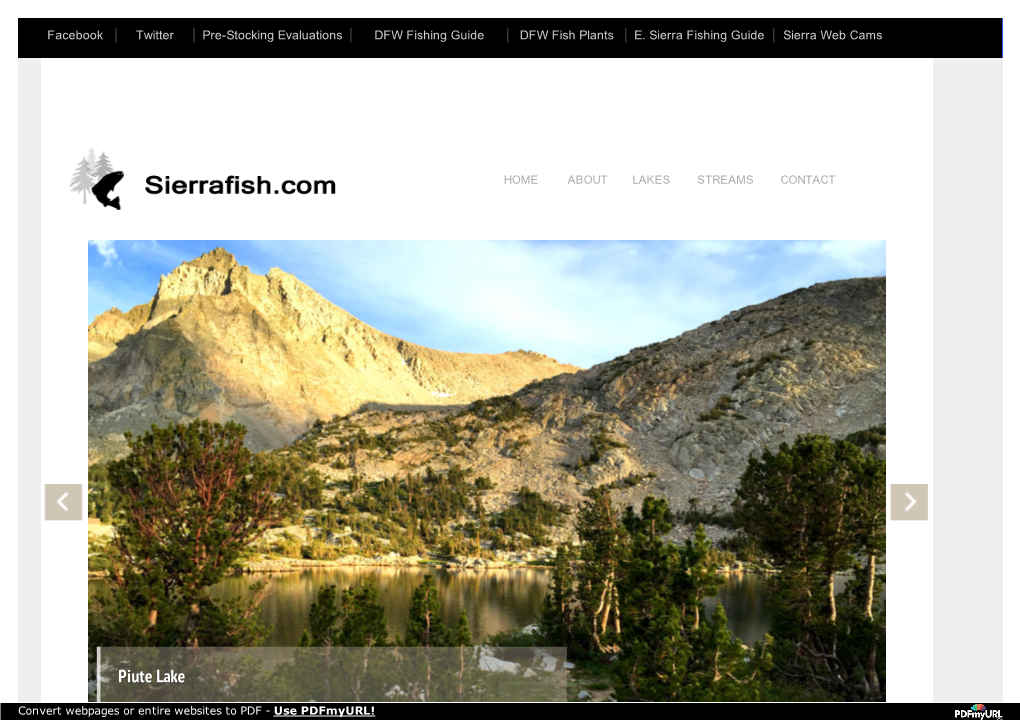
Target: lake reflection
{"x": 495, "y": 600}
{"x": 743, "y": 596}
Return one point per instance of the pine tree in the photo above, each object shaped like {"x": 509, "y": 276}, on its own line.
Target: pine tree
{"x": 779, "y": 497}
{"x": 322, "y": 629}
{"x": 462, "y": 633}
{"x": 81, "y": 181}
{"x": 868, "y": 517}
{"x": 604, "y": 543}
{"x": 869, "y": 512}
{"x": 655, "y": 651}
{"x": 461, "y": 638}
{"x": 424, "y": 628}
{"x": 721, "y": 668}
{"x": 358, "y": 621}
{"x": 700, "y": 581}
{"x": 192, "y": 498}
{"x": 91, "y": 158}
{"x": 653, "y": 666}
{"x": 556, "y": 620}
{"x": 650, "y": 569}
{"x": 668, "y": 653}
{"x": 813, "y": 507}
{"x": 103, "y": 167}
{"x": 363, "y": 616}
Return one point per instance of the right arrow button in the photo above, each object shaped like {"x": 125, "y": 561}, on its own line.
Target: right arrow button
{"x": 909, "y": 502}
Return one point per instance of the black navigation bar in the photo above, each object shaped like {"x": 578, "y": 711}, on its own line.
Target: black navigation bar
{"x": 510, "y": 38}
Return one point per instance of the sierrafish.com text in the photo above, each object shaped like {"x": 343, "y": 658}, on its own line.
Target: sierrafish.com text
{"x": 234, "y": 185}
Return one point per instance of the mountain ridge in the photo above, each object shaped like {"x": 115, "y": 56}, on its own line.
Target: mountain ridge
{"x": 220, "y": 342}
{"x": 677, "y": 419}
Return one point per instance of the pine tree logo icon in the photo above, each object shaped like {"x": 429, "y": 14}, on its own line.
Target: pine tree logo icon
{"x": 96, "y": 176}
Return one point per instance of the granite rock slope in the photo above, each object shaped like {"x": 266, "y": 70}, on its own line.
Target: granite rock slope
{"x": 222, "y": 343}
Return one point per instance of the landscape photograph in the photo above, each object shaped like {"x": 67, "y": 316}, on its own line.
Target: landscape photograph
{"x": 625, "y": 471}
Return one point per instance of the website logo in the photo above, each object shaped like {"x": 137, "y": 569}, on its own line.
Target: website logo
{"x": 96, "y": 176}
{"x": 978, "y": 710}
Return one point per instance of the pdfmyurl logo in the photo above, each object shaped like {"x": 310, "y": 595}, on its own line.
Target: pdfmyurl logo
{"x": 979, "y": 711}
{"x": 96, "y": 176}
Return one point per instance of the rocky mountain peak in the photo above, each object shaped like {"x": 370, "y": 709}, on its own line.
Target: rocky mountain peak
{"x": 208, "y": 274}
{"x": 217, "y": 259}
{"x": 220, "y": 342}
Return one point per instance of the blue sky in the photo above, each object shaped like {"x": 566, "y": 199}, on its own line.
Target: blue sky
{"x": 580, "y": 302}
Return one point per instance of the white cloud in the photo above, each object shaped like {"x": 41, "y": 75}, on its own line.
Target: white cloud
{"x": 106, "y": 249}
{"x": 849, "y": 253}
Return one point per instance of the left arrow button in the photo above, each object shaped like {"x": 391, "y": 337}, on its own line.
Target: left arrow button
{"x": 63, "y": 502}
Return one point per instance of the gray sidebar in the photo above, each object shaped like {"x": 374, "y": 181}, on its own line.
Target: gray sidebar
{"x": 29, "y": 379}
{"x": 968, "y": 482}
